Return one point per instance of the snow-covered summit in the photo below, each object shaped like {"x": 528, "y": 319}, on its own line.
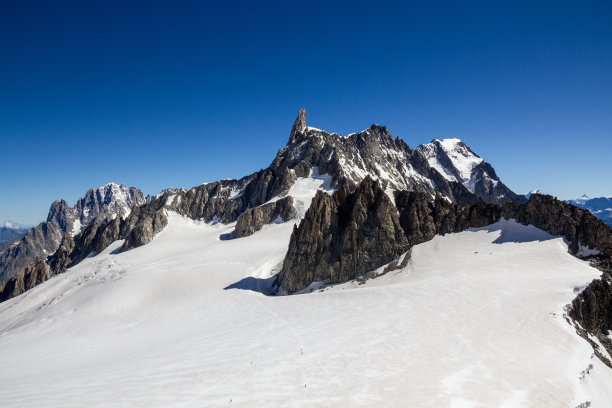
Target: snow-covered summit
{"x": 453, "y": 160}
{"x": 446, "y": 167}
{"x": 97, "y": 205}
{"x": 535, "y": 191}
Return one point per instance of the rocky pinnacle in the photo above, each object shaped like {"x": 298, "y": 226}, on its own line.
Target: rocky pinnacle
{"x": 298, "y": 126}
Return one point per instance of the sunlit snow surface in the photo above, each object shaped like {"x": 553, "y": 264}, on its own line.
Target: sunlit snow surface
{"x": 475, "y": 320}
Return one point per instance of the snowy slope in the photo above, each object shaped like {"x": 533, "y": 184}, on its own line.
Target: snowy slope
{"x": 475, "y": 320}
{"x": 452, "y": 159}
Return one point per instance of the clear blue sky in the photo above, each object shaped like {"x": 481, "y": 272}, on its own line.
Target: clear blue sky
{"x": 172, "y": 94}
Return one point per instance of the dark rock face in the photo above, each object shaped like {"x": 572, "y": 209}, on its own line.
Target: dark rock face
{"x": 578, "y": 226}
{"x": 592, "y": 309}
{"x": 313, "y": 249}
{"x": 33, "y": 275}
{"x": 38, "y": 241}
{"x": 147, "y": 226}
{"x": 60, "y": 260}
{"x": 422, "y": 219}
{"x": 254, "y": 219}
{"x": 342, "y": 237}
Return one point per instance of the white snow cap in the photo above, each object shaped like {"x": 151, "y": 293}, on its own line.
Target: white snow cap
{"x": 536, "y": 191}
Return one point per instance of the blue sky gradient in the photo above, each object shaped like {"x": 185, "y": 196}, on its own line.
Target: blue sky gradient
{"x": 173, "y": 94}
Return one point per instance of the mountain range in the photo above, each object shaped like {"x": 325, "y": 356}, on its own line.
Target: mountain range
{"x": 96, "y": 206}
{"x": 428, "y": 232}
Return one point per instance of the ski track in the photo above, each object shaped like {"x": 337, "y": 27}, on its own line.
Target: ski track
{"x": 468, "y": 323}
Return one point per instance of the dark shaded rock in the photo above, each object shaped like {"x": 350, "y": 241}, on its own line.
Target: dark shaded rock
{"x": 59, "y": 212}
{"x": 61, "y": 259}
{"x": 38, "y": 241}
{"x": 578, "y": 226}
{"x": 342, "y": 237}
{"x": 26, "y": 279}
{"x": 142, "y": 225}
{"x": 422, "y": 218}
{"x": 254, "y": 219}
{"x": 592, "y": 310}
{"x": 107, "y": 234}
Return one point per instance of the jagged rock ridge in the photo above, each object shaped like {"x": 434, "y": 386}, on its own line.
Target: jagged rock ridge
{"x": 97, "y": 206}
{"x": 421, "y": 218}
{"x": 342, "y": 237}
{"x": 312, "y": 255}
{"x": 346, "y": 160}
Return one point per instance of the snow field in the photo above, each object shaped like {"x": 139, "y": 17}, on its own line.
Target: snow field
{"x": 474, "y": 320}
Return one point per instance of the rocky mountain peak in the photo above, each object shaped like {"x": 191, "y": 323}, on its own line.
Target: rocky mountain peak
{"x": 106, "y": 202}
{"x": 299, "y": 126}
{"x": 97, "y": 206}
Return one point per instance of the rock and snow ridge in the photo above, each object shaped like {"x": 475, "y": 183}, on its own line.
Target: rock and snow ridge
{"x": 457, "y": 174}
{"x": 97, "y": 205}
{"x": 443, "y": 167}
{"x": 431, "y": 333}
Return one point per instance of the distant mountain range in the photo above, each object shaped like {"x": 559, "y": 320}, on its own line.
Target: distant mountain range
{"x": 11, "y": 230}
{"x": 601, "y": 207}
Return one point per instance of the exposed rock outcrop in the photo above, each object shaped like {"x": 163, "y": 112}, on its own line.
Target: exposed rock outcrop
{"x": 592, "y": 310}
{"x": 580, "y": 227}
{"x": 41, "y": 240}
{"x": 26, "y": 279}
{"x": 60, "y": 260}
{"x": 254, "y": 219}
{"x": 342, "y": 237}
{"x": 312, "y": 254}
{"x": 422, "y": 219}
{"x": 298, "y": 126}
